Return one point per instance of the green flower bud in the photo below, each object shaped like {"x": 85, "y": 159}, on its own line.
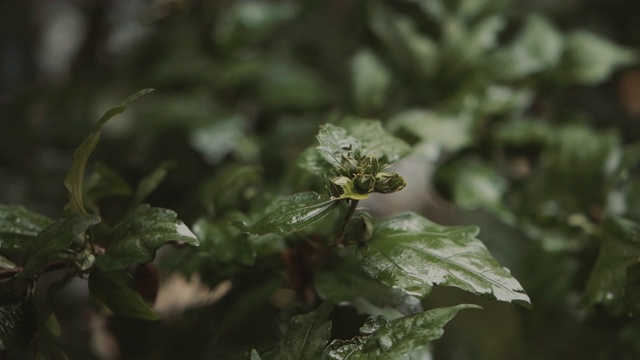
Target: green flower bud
{"x": 365, "y": 183}
{"x": 359, "y": 229}
{"x": 388, "y": 182}
{"x": 349, "y": 166}
{"x": 369, "y": 165}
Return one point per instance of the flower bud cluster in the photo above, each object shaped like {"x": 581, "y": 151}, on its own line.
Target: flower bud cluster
{"x": 363, "y": 176}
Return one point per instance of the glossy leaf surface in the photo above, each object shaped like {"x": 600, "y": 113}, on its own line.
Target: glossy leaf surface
{"x": 18, "y": 227}
{"x": 137, "y": 238}
{"x": 411, "y": 253}
{"x": 111, "y": 288}
{"x": 57, "y": 236}
{"x": 376, "y": 141}
{"x": 397, "y": 339}
{"x": 291, "y": 214}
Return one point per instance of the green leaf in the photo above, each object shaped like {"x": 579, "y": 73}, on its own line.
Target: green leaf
{"x": 17, "y": 325}
{"x": 307, "y": 335}
{"x": 223, "y": 244}
{"x": 614, "y": 278}
{"x": 45, "y": 340}
{"x": 412, "y": 254}
{"x": 397, "y": 339}
{"x": 409, "y": 47}
{"x": 255, "y": 355}
{"x": 6, "y": 263}
{"x": 74, "y": 181}
{"x": 370, "y": 80}
{"x": 137, "y": 238}
{"x": 291, "y": 214}
{"x": 437, "y": 133}
{"x": 19, "y": 227}
{"x": 590, "y": 59}
{"x": 537, "y": 48}
{"x": 313, "y": 161}
{"x": 111, "y": 288}
{"x": 57, "y": 236}
{"x": 150, "y": 182}
{"x": 346, "y": 282}
{"x": 222, "y": 137}
{"x": 288, "y": 85}
{"x": 334, "y": 143}
{"x": 104, "y": 183}
{"x": 375, "y": 140}
{"x": 474, "y": 185}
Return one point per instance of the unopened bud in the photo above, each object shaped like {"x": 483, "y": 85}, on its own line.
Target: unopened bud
{"x": 388, "y": 182}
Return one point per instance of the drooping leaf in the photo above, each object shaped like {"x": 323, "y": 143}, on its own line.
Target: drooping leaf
{"x": 57, "y": 236}
{"x": 307, "y": 335}
{"x": 137, "y": 238}
{"x": 19, "y": 227}
{"x": 614, "y": 278}
{"x": 375, "y": 140}
{"x": 111, "y": 288}
{"x": 370, "y": 80}
{"x": 411, "y": 253}
{"x": 590, "y": 59}
{"x": 291, "y": 214}
{"x": 74, "y": 181}
{"x": 397, "y": 339}
{"x": 334, "y": 143}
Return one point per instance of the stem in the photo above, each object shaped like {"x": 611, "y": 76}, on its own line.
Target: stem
{"x": 352, "y": 209}
{"x": 52, "y": 266}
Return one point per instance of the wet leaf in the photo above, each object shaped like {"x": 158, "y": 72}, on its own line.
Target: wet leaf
{"x": 19, "y": 227}
{"x": 370, "y": 80}
{"x": 396, "y": 339}
{"x": 137, "y": 238}
{"x": 614, "y": 278}
{"x": 334, "y": 143}
{"x": 74, "y": 181}
{"x": 223, "y": 244}
{"x": 57, "y": 236}
{"x": 307, "y": 335}
{"x": 112, "y": 289}
{"x": 412, "y": 254}
{"x": 375, "y": 140}
{"x": 291, "y": 214}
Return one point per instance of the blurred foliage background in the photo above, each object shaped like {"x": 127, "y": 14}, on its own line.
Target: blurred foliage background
{"x": 524, "y": 117}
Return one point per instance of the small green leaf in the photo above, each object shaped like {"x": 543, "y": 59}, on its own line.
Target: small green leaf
{"x": 397, "y": 339}
{"x": 370, "y": 80}
{"x": 375, "y": 140}
{"x": 74, "y": 181}
{"x": 103, "y": 183}
{"x": 614, "y": 278}
{"x": 255, "y": 355}
{"x": 291, "y": 214}
{"x": 411, "y": 253}
{"x": 150, "y": 182}
{"x": 307, "y": 335}
{"x": 111, "y": 288}
{"x": 19, "y": 227}
{"x": 57, "y": 236}
{"x": 137, "y": 238}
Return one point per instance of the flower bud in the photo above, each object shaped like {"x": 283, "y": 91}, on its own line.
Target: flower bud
{"x": 388, "y": 182}
{"x": 365, "y": 183}
{"x": 337, "y": 184}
